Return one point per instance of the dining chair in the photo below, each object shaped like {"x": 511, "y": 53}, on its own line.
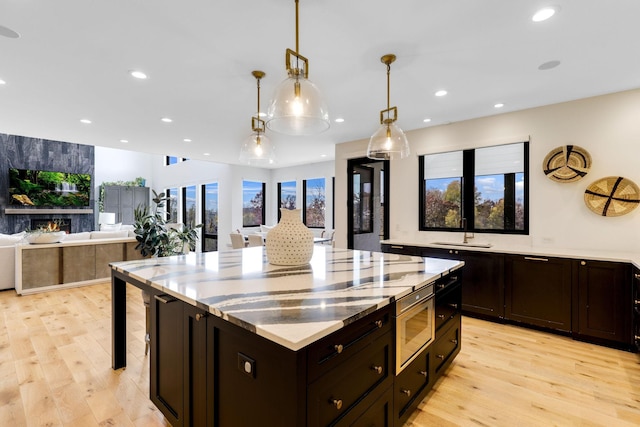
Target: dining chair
{"x": 255, "y": 240}
{"x": 237, "y": 240}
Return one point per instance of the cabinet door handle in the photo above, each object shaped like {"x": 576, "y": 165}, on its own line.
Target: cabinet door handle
{"x": 337, "y": 403}
{"x": 440, "y": 356}
{"x": 637, "y": 276}
{"x": 583, "y": 263}
{"x": 200, "y": 316}
{"x": 441, "y": 316}
{"x": 424, "y": 373}
{"x": 453, "y": 305}
{"x": 454, "y": 342}
{"x": 377, "y": 369}
{"x": 405, "y": 391}
{"x": 338, "y": 348}
{"x": 397, "y": 247}
{"x": 164, "y": 299}
{"x": 533, "y": 258}
{"x": 378, "y": 323}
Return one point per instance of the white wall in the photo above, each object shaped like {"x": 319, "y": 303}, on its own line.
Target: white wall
{"x": 607, "y": 126}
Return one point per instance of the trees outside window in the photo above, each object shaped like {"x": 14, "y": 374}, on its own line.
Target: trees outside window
{"x": 210, "y": 217}
{"x": 252, "y": 203}
{"x": 314, "y": 202}
{"x": 189, "y": 205}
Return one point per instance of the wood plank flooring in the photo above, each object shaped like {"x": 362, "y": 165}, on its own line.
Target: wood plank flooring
{"x": 55, "y": 370}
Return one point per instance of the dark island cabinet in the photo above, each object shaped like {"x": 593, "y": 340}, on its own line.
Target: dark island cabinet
{"x": 602, "y": 310}
{"x": 538, "y": 291}
{"x": 179, "y": 371}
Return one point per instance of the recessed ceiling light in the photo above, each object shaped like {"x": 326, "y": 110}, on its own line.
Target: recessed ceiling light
{"x": 441, "y": 93}
{"x": 85, "y": 121}
{"x": 138, "y": 74}
{"x": 339, "y": 120}
{"x": 166, "y": 120}
{"x": 323, "y": 155}
{"x": 207, "y": 154}
{"x": 543, "y": 14}
{"x": 124, "y": 141}
{"x": 548, "y": 65}
{"x": 427, "y": 120}
{"x": 498, "y": 105}
{"x": 186, "y": 140}
{"x": 8, "y": 32}
{"x": 2, "y": 82}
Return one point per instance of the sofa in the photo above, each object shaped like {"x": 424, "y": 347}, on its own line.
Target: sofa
{"x": 8, "y": 245}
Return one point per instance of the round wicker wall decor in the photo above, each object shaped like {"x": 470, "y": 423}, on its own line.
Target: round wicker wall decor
{"x": 568, "y": 163}
{"x": 612, "y": 196}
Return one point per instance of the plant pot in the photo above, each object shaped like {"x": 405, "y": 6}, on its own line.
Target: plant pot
{"x": 290, "y": 242}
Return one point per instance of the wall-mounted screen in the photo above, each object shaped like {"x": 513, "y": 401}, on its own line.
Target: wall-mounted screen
{"x": 37, "y": 188}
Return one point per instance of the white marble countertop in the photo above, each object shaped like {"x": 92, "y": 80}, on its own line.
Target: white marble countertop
{"x": 549, "y": 251}
{"x": 293, "y": 306}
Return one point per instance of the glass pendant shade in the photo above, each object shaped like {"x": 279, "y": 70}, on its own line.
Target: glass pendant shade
{"x": 258, "y": 150}
{"x": 297, "y": 108}
{"x": 387, "y": 143}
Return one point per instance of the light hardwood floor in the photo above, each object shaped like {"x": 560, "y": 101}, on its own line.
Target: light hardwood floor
{"x": 55, "y": 370}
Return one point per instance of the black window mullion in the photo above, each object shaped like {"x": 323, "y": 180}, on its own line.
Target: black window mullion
{"x": 509, "y": 201}
{"x": 279, "y": 201}
{"x": 264, "y": 201}
{"x": 468, "y": 189}
{"x": 304, "y": 201}
{"x": 422, "y": 215}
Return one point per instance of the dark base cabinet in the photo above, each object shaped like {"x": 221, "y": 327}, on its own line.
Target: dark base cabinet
{"x": 482, "y": 283}
{"x": 538, "y": 291}
{"x": 595, "y": 301}
{"x": 602, "y": 311}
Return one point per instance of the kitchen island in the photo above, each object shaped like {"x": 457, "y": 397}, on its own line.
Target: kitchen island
{"x": 237, "y": 341}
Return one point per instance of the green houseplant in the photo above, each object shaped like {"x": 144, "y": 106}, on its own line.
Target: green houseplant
{"x": 158, "y": 238}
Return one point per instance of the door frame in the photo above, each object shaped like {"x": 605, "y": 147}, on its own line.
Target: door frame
{"x": 361, "y": 161}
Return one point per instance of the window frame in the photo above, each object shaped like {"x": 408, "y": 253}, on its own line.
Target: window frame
{"x": 184, "y": 205}
{"x": 467, "y": 205}
{"x": 304, "y": 202}
{"x": 203, "y": 213}
{"x": 280, "y": 196}
{"x": 264, "y": 199}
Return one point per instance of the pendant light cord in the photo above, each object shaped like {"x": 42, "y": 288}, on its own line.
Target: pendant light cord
{"x": 388, "y": 88}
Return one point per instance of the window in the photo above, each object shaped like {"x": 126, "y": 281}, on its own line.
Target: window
{"x": 496, "y": 202}
{"x": 172, "y": 205}
{"x": 210, "y": 217}
{"x": 314, "y": 202}
{"x": 170, "y": 160}
{"x": 362, "y": 199}
{"x": 189, "y": 206}
{"x": 252, "y": 203}
{"x": 286, "y": 195}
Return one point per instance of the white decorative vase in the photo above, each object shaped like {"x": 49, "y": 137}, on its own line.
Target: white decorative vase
{"x": 290, "y": 242}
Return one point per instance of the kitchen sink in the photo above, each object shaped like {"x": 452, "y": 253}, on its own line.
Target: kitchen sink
{"x": 471, "y": 245}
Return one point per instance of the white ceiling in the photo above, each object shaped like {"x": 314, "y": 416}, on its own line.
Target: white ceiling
{"x": 72, "y": 60}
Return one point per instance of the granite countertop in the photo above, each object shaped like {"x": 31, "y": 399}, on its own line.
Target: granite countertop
{"x": 549, "y": 251}
{"x": 292, "y": 306}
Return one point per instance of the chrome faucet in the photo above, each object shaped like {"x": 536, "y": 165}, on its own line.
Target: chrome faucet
{"x": 467, "y": 236}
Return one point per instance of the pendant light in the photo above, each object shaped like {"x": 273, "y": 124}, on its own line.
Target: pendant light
{"x": 389, "y": 141}
{"x": 258, "y": 150}
{"x": 297, "y": 107}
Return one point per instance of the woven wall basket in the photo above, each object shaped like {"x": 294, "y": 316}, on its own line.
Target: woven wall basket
{"x": 612, "y": 196}
{"x": 568, "y": 163}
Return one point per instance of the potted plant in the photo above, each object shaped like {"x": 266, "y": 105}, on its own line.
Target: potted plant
{"x": 155, "y": 236}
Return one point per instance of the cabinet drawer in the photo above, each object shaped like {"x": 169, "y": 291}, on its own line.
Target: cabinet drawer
{"x": 378, "y": 414}
{"x": 448, "y": 304}
{"x": 335, "y": 349}
{"x": 411, "y": 381}
{"x": 336, "y": 393}
{"x": 447, "y": 346}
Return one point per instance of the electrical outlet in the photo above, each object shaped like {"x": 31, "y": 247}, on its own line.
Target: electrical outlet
{"x": 246, "y": 365}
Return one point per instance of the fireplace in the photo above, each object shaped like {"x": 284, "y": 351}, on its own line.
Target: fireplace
{"x": 61, "y": 224}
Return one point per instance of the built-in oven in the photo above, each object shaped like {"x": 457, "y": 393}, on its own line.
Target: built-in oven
{"x": 415, "y": 325}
